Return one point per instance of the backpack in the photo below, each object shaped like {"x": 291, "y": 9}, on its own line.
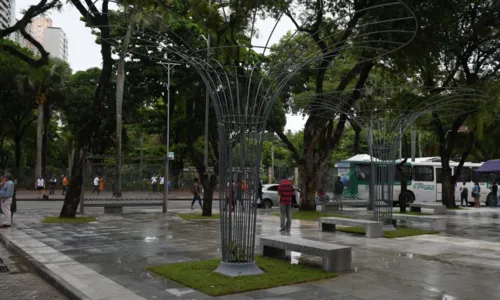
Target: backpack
{"x": 464, "y": 191}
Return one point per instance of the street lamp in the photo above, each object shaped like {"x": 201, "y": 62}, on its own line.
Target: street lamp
{"x": 169, "y": 66}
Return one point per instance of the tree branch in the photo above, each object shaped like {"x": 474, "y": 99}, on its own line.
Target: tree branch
{"x": 289, "y": 145}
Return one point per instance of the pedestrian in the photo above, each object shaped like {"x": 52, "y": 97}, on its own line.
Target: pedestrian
{"x": 285, "y": 192}
{"x": 52, "y": 185}
{"x": 464, "y": 194}
{"x": 40, "y": 187}
{"x": 338, "y": 190}
{"x": 169, "y": 185}
{"x": 260, "y": 193}
{"x": 230, "y": 195}
{"x": 6, "y": 194}
{"x": 162, "y": 184}
{"x": 154, "y": 184}
{"x": 96, "y": 185}
{"x": 65, "y": 185}
{"x": 476, "y": 190}
{"x": 101, "y": 184}
{"x": 491, "y": 199}
{"x": 196, "y": 193}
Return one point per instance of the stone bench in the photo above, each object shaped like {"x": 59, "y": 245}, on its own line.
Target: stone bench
{"x": 373, "y": 229}
{"x": 336, "y": 258}
{"x": 115, "y": 205}
{"x": 437, "y": 222}
{"x": 438, "y": 209}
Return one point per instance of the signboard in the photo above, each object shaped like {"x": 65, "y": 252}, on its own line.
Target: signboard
{"x": 171, "y": 155}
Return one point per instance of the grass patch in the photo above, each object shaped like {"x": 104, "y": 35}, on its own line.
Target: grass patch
{"x": 415, "y": 213}
{"x": 198, "y": 217}
{"x": 313, "y": 215}
{"x": 199, "y": 275}
{"x": 52, "y": 220}
{"x": 399, "y": 232}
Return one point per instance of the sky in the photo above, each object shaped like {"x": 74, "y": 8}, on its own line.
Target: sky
{"x": 84, "y": 53}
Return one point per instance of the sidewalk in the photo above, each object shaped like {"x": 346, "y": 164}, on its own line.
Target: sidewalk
{"x": 20, "y": 282}
{"x": 177, "y": 194}
{"x": 107, "y": 259}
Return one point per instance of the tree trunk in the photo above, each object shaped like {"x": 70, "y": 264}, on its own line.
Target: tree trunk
{"x": 46, "y": 120}
{"x": 209, "y": 184}
{"x": 448, "y": 184}
{"x": 17, "y": 151}
{"x": 39, "y": 140}
{"x": 308, "y": 188}
{"x": 120, "y": 82}
{"x": 72, "y": 199}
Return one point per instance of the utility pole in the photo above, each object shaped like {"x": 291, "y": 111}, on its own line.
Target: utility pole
{"x": 169, "y": 66}
{"x": 207, "y": 106}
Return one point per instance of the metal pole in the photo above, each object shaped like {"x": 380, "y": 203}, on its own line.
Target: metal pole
{"x": 207, "y": 107}
{"x": 413, "y": 143}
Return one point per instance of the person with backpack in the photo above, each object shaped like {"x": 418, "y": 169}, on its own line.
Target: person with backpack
{"x": 196, "y": 193}
{"x": 464, "y": 194}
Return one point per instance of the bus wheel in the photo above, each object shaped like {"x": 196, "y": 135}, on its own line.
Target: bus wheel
{"x": 408, "y": 196}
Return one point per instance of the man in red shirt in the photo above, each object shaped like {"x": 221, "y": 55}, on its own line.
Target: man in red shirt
{"x": 285, "y": 192}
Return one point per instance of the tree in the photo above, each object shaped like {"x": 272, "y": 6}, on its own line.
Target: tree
{"x": 97, "y": 19}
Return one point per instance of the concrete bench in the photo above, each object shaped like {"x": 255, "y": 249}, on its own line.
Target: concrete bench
{"x": 336, "y": 258}
{"x": 116, "y": 205}
{"x": 438, "y": 209}
{"x": 437, "y": 222}
{"x": 373, "y": 229}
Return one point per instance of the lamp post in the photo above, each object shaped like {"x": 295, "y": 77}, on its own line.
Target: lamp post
{"x": 169, "y": 66}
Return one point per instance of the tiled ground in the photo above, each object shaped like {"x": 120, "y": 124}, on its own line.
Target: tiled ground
{"x": 460, "y": 264}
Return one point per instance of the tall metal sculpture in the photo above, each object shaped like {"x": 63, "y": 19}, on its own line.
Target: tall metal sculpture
{"x": 384, "y": 114}
{"x": 245, "y": 75}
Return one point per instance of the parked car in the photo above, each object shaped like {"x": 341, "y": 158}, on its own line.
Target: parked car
{"x": 270, "y": 196}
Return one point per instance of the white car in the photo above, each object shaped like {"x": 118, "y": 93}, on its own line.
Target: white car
{"x": 270, "y": 196}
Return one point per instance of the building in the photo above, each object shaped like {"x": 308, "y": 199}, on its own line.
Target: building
{"x": 55, "y": 42}
{"x": 7, "y": 13}
{"x": 53, "y": 39}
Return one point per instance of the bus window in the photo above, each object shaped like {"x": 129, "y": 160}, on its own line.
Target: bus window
{"x": 362, "y": 172}
{"x": 464, "y": 174}
{"x": 423, "y": 173}
{"x": 406, "y": 170}
{"x": 439, "y": 175}
{"x": 479, "y": 177}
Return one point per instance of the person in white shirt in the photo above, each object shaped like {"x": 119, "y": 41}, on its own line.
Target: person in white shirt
{"x": 162, "y": 184}
{"x": 40, "y": 187}
{"x": 154, "y": 184}
{"x": 96, "y": 185}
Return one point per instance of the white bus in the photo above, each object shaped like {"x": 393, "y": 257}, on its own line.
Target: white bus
{"x": 425, "y": 178}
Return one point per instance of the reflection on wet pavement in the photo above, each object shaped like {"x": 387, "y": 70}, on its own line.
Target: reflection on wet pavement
{"x": 461, "y": 263}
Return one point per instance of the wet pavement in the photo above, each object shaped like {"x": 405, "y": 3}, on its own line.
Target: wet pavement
{"x": 461, "y": 263}
{"x": 16, "y": 277}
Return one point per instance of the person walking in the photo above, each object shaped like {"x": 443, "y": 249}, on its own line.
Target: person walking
{"x": 154, "y": 184}
{"x": 96, "y": 185}
{"x": 40, "y": 187}
{"x": 464, "y": 194}
{"x": 6, "y": 194}
{"x": 65, "y": 185}
{"x": 196, "y": 193}
{"x": 52, "y": 185}
{"x": 169, "y": 185}
{"x": 476, "y": 190}
{"x": 285, "y": 192}
{"x": 162, "y": 184}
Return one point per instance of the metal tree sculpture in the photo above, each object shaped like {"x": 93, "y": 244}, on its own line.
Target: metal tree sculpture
{"x": 245, "y": 75}
{"x": 384, "y": 115}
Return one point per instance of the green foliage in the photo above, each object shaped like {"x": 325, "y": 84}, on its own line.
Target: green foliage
{"x": 399, "y": 232}
{"x": 57, "y": 220}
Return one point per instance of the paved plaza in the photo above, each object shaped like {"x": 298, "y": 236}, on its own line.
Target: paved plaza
{"x": 107, "y": 259}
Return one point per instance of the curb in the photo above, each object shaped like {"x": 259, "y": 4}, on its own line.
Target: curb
{"x": 53, "y": 279}
{"x": 62, "y": 200}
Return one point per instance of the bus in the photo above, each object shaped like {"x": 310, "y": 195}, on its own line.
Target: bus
{"x": 425, "y": 178}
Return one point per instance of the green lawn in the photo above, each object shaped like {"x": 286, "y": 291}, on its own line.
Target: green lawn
{"x": 399, "y": 232}
{"x": 199, "y": 275}
{"x": 51, "y": 220}
{"x": 313, "y": 215}
{"x": 414, "y": 213}
{"x": 198, "y": 217}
